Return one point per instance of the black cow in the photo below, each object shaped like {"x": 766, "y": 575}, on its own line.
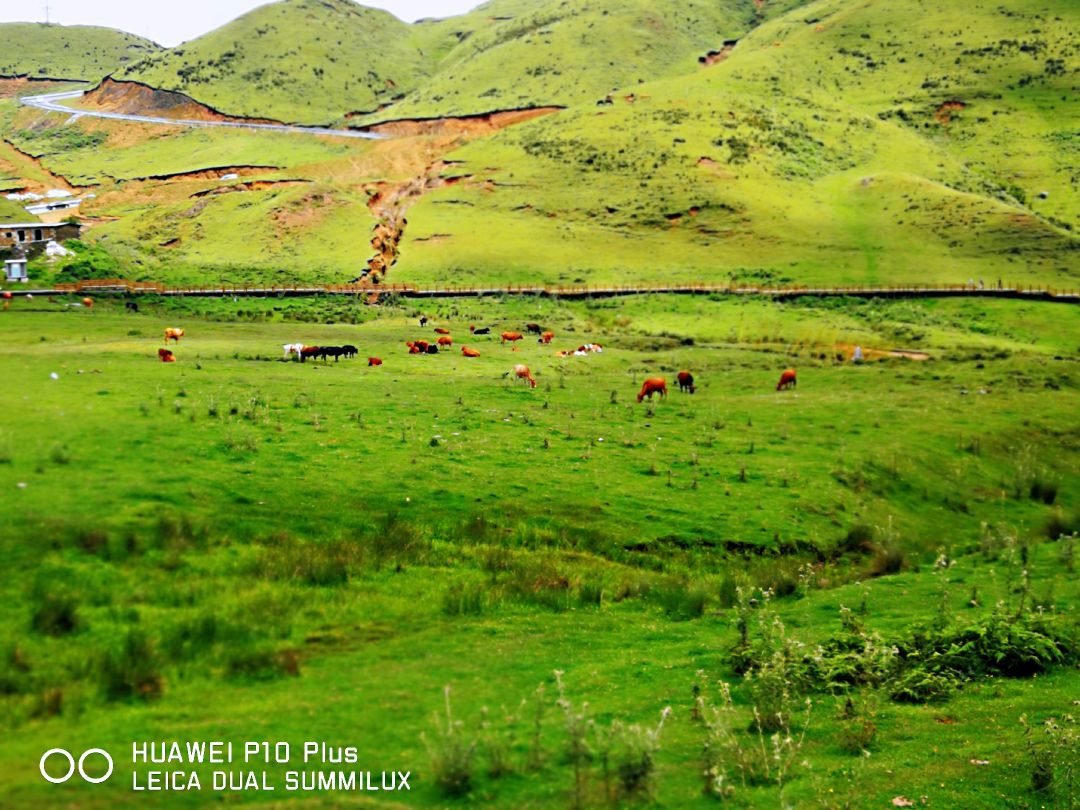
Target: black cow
{"x": 533, "y": 328}
{"x": 486, "y": 330}
{"x": 432, "y": 349}
{"x": 423, "y": 321}
{"x": 331, "y": 351}
{"x": 131, "y": 306}
{"x": 348, "y": 350}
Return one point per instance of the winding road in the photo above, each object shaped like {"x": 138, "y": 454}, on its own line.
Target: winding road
{"x": 51, "y": 102}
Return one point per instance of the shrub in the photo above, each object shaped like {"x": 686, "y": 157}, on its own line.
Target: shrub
{"x": 634, "y": 755}
{"x": 919, "y": 685}
{"x": 450, "y": 753}
{"x": 261, "y": 662}
{"x": 131, "y": 670}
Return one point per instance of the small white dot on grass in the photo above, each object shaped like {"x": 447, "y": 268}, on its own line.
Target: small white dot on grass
{"x": 54, "y": 376}
{"x": 21, "y": 485}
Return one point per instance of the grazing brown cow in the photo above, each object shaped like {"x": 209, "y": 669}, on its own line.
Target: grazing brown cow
{"x": 174, "y": 334}
{"x": 417, "y": 346}
{"x": 165, "y": 356}
{"x": 88, "y": 302}
{"x": 546, "y": 338}
{"x": 467, "y": 352}
{"x": 374, "y": 361}
{"x": 787, "y": 380}
{"x": 523, "y": 373}
{"x": 511, "y": 336}
{"x": 533, "y": 328}
{"x": 686, "y": 382}
{"x": 440, "y": 330}
{"x": 653, "y": 385}
{"x": 445, "y": 341}
{"x": 309, "y": 351}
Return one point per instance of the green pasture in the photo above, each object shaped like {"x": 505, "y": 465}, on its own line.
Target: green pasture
{"x": 236, "y": 547}
{"x": 83, "y": 52}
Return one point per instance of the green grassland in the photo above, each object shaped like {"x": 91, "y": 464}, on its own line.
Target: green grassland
{"x": 790, "y": 156}
{"x": 836, "y": 144}
{"x": 278, "y": 61}
{"x": 68, "y": 52}
{"x": 305, "y": 551}
{"x": 305, "y": 61}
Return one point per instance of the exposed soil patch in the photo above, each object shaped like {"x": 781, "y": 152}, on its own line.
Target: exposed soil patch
{"x": 212, "y": 173}
{"x": 254, "y": 185}
{"x": 879, "y": 354}
{"x": 303, "y": 213}
{"x": 712, "y": 57}
{"x": 136, "y": 98}
{"x": 389, "y": 202}
{"x": 11, "y": 86}
{"x": 480, "y": 124}
{"x": 943, "y": 114}
{"x": 17, "y": 163}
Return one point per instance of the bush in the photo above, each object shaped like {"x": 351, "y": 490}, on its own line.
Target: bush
{"x": 919, "y": 685}
{"x": 132, "y": 669}
{"x": 451, "y": 754}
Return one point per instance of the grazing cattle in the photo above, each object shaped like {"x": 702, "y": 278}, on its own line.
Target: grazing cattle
{"x": 173, "y": 334}
{"x": 291, "y": 349}
{"x": 686, "y": 382}
{"x": 417, "y": 346}
{"x": 441, "y": 330}
{"x": 374, "y": 361}
{"x": 511, "y": 336}
{"x": 165, "y": 356}
{"x": 546, "y": 338}
{"x": 533, "y": 328}
{"x": 131, "y": 306}
{"x": 484, "y": 330}
{"x": 309, "y": 351}
{"x": 432, "y": 349}
{"x": 445, "y": 341}
{"x": 88, "y": 302}
{"x": 787, "y": 380}
{"x": 653, "y": 385}
{"x": 331, "y": 351}
{"x": 523, "y": 373}
{"x": 348, "y": 350}
{"x": 423, "y": 321}
{"x": 467, "y": 352}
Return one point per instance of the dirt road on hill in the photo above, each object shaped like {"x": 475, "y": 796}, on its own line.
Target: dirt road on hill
{"x": 51, "y": 102}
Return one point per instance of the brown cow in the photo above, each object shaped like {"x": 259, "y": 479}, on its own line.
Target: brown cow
{"x": 445, "y": 341}
{"x": 653, "y": 385}
{"x": 439, "y": 330}
{"x": 467, "y": 352}
{"x": 174, "y": 334}
{"x": 546, "y": 338}
{"x": 511, "y": 336}
{"x": 165, "y": 356}
{"x": 523, "y": 373}
{"x": 374, "y": 361}
{"x": 686, "y": 382}
{"x": 309, "y": 351}
{"x": 787, "y": 380}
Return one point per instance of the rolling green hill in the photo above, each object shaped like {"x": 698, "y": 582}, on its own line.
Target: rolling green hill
{"x": 280, "y": 61}
{"x": 839, "y": 142}
{"x": 307, "y": 61}
{"x": 68, "y": 52}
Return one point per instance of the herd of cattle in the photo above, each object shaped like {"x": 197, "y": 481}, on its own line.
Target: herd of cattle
{"x": 303, "y": 352}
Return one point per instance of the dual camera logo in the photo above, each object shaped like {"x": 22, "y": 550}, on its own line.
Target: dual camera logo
{"x": 57, "y": 780}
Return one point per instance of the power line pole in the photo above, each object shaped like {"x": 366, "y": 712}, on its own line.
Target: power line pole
{"x": 46, "y": 12}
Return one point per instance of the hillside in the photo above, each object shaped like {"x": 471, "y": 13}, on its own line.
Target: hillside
{"x": 279, "y": 60}
{"x": 839, "y": 142}
{"x": 305, "y": 61}
{"x": 68, "y": 52}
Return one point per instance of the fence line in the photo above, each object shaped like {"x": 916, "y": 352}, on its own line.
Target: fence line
{"x": 376, "y": 291}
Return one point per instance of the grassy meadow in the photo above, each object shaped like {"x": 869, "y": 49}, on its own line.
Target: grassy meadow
{"x": 231, "y": 545}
